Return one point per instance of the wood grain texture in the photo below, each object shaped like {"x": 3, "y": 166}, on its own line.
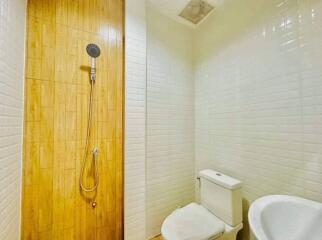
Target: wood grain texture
{"x": 56, "y": 104}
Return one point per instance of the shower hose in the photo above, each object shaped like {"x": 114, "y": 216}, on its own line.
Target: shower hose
{"x": 94, "y": 151}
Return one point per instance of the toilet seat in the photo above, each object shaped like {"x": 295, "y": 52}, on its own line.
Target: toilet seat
{"x": 192, "y": 222}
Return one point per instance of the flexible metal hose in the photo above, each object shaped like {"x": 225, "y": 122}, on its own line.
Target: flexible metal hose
{"x": 94, "y": 152}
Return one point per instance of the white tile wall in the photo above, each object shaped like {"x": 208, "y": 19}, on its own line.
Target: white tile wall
{"x": 12, "y": 43}
{"x": 258, "y": 101}
{"x": 135, "y": 106}
{"x": 259, "y": 96}
{"x": 170, "y": 114}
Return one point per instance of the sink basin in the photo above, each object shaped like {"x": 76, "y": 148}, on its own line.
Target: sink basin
{"x": 280, "y": 217}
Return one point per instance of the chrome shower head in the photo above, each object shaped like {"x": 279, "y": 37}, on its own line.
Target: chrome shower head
{"x": 93, "y": 50}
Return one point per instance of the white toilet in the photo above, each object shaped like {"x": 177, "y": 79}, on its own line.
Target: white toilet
{"x": 219, "y": 216}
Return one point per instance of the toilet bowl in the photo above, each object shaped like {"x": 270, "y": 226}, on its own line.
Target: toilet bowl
{"x": 219, "y": 216}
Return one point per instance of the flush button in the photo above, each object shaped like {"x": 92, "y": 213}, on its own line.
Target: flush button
{"x": 218, "y": 174}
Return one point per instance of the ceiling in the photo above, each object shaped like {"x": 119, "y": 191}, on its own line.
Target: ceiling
{"x": 172, "y": 8}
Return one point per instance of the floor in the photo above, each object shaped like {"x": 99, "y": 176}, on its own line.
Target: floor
{"x": 157, "y": 238}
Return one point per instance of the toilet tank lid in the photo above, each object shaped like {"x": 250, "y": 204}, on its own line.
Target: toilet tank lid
{"x": 220, "y": 179}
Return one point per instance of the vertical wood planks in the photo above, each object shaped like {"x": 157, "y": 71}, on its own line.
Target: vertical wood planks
{"x": 56, "y": 103}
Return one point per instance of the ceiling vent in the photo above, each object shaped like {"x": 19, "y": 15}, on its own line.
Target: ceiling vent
{"x": 196, "y": 10}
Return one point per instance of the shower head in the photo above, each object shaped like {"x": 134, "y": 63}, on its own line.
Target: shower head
{"x": 93, "y": 50}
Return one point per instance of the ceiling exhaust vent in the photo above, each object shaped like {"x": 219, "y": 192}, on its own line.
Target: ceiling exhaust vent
{"x": 196, "y": 10}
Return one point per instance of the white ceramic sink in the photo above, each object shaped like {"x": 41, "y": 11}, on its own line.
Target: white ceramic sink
{"x": 280, "y": 217}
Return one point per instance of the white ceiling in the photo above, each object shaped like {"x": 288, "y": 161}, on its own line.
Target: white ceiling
{"x": 172, "y": 8}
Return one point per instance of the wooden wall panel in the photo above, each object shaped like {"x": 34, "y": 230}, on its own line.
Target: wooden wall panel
{"x": 56, "y": 105}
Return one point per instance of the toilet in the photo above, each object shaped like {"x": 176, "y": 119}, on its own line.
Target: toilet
{"x": 218, "y": 216}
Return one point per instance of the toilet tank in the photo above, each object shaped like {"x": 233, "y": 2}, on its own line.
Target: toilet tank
{"x": 221, "y": 195}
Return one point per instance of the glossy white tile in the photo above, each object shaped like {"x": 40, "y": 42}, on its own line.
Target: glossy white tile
{"x": 12, "y": 49}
